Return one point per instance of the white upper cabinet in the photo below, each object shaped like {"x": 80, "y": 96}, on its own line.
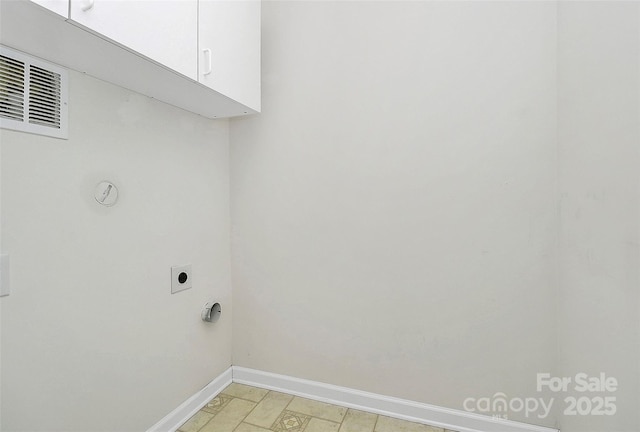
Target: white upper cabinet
{"x": 202, "y": 56}
{"x": 61, "y": 7}
{"x": 229, "y": 45}
{"x": 165, "y": 31}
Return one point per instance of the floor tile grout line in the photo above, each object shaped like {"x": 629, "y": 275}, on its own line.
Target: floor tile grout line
{"x": 291, "y": 401}
{"x": 330, "y": 421}
{"x": 263, "y": 398}
{"x": 310, "y": 417}
{"x": 318, "y": 402}
{"x": 238, "y": 397}
{"x": 217, "y": 412}
{"x": 375, "y": 425}
{"x": 357, "y": 410}
{"x": 343, "y": 418}
{"x": 196, "y": 413}
{"x": 342, "y": 421}
{"x": 286, "y": 408}
{"x": 272, "y": 424}
{"x": 210, "y": 420}
{"x": 316, "y": 417}
{"x": 260, "y": 426}
{"x": 215, "y": 415}
{"x": 250, "y": 411}
{"x": 231, "y": 397}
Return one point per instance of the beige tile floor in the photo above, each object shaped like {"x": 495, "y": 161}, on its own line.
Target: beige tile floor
{"x": 241, "y": 408}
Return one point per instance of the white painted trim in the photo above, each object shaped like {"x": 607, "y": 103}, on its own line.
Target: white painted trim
{"x": 447, "y": 418}
{"x": 188, "y": 408}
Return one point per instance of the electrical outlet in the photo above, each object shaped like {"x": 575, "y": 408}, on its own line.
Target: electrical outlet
{"x": 181, "y": 278}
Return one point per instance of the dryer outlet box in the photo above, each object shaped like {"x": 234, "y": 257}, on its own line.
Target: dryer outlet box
{"x": 181, "y": 278}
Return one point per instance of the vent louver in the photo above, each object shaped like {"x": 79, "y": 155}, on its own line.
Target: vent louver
{"x": 11, "y": 88}
{"x": 33, "y": 95}
{"x": 44, "y": 97}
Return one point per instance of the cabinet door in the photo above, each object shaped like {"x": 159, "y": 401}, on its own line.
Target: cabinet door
{"x": 61, "y": 7}
{"x": 229, "y": 42}
{"x": 164, "y": 31}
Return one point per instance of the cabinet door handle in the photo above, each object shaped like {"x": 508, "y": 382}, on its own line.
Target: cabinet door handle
{"x": 207, "y": 61}
{"x": 88, "y": 4}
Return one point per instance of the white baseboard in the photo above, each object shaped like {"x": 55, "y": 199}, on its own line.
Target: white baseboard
{"x": 188, "y": 408}
{"x": 447, "y": 418}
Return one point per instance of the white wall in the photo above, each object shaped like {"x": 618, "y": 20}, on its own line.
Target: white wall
{"x": 396, "y": 219}
{"x": 599, "y": 130}
{"x": 92, "y": 338}
{"x": 0, "y": 297}
{"x": 394, "y": 206}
